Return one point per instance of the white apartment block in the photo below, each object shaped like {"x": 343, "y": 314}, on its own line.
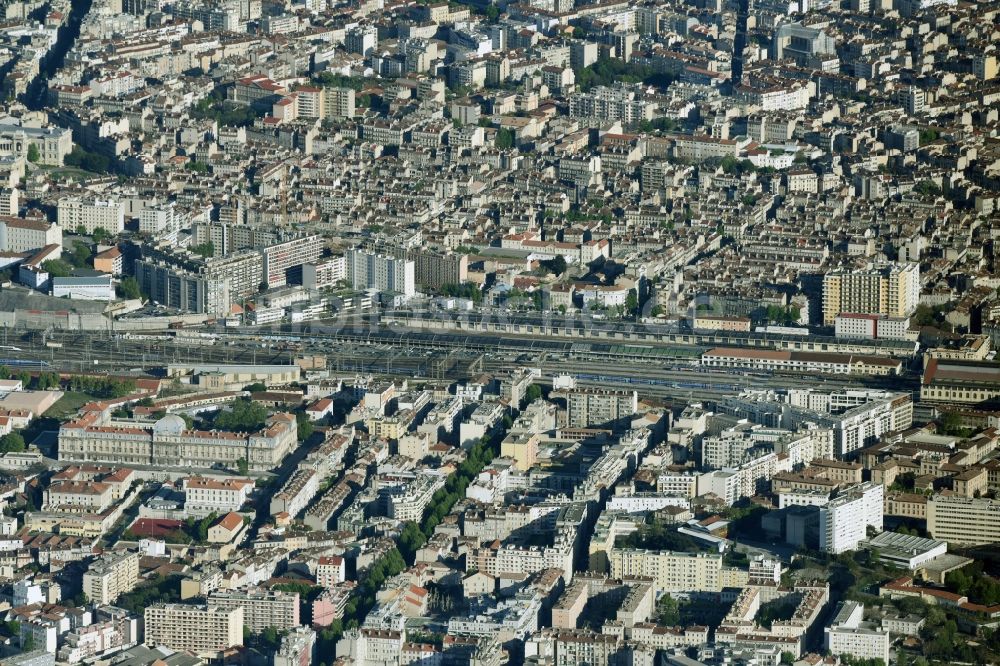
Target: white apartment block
{"x": 844, "y": 521}
{"x": 746, "y": 480}
{"x": 91, "y": 214}
{"x": 854, "y": 326}
{"x": 367, "y": 270}
{"x": 620, "y": 102}
{"x": 330, "y": 571}
{"x": 325, "y": 273}
{"x": 848, "y": 634}
{"x": 160, "y": 222}
{"x": 409, "y": 502}
{"x": 194, "y": 628}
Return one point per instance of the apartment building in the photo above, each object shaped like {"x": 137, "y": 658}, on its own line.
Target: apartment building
{"x": 889, "y": 289}
{"x": 623, "y": 102}
{"x": 110, "y": 577}
{"x": 586, "y": 407}
{"x": 674, "y": 571}
{"x": 204, "y": 494}
{"x": 261, "y": 608}
{"x": 91, "y": 214}
{"x": 330, "y": 571}
{"x": 431, "y": 269}
{"x": 745, "y": 480}
{"x": 844, "y": 520}
{"x": 325, "y": 273}
{"x": 280, "y": 258}
{"x": 368, "y": 270}
{"x": 849, "y": 634}
{"x": 854, "y": 326}
{"x": 87, "y": 496}
{"x": 298, "y": 648}
{"x": 408, "y": 501}
{"x": 189, "y": 283}
{"x": 338, "y": 103}
{"x": 202, "y": 629}
{"x": 20, "y": 235}
{"x": 296, "y": 493}
{"x": 963, "y": 520}
{"x": 857, "y": 418}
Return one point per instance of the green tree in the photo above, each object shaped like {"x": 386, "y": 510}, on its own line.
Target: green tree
{"x": 632, "y": 301}
{"x": 410, "y": 540}
{"x": 57, "y": 268}
{"x": 80, "y": 255}
{"x": 12, "y": 442}
{"x": 668, "y": 612}
{"x": 129, "y": 288}
{"x": 206, "y": 249}
{"x": 556, "y": 264}
{"x": 100, "y": 235}
{"x": 87, "y": 161}
{"x": 243, "y": 416}
{"x": 928, "y": 188}
{"x": 243, "y": 466}
{"x": 304, "y": 427}
{"x": 532, "y": 393}
{"x": 33, "y": 154}
{"x": 504, "y": 139}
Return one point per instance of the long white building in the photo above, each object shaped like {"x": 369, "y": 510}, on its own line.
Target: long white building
{"x": 368, "y": 270}
{"x": 91, "y": 214}
{"x": 844, "y": 521}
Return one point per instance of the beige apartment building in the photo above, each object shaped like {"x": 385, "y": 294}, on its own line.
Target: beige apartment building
{"x": 261, "y": 608}
{"x": 110, "y": 577}
{"x": 587, "y": 407}
{"x": 220, "y": 495}
{"x": 892, "y": 290}
{"x": 675, "y": 571}
{"x": 84, "y": 495}
{"x": 194, "y": 628}
{"x": 964, "y": 520}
